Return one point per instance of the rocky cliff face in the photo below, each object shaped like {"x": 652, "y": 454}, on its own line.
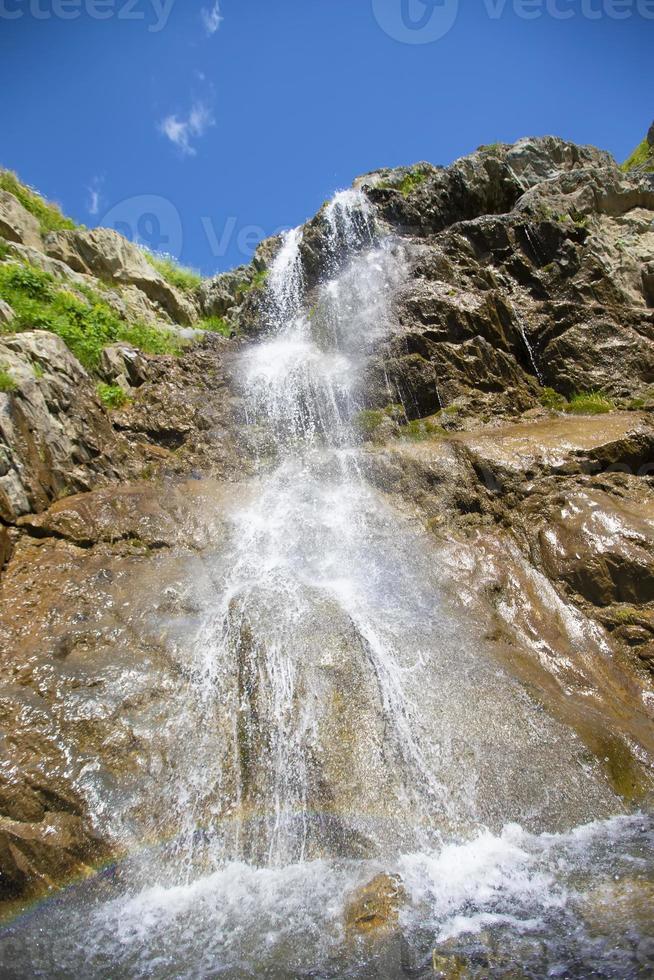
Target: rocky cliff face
{"x": 509, "y": 405}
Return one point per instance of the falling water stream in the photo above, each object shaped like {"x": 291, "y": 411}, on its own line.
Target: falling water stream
{"x": 342, "y": 717}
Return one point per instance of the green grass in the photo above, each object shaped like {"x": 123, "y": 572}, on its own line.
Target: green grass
{"x": 641, "y": 400}
{"x": 553, "y": 400}
{"x": 417, "y": 430}
{"x": 216, "y": 324}
{"x": 179, "y": 276}
{"x": 7, "y": 383}
{"x": 368, "y": 420}
{"x": 590, "y": 403}
{"x": 4, "y": 249}
{"x": 409, "y": 183}
{"x": 258, "y": 281}
{"x": 626, "y": 615}
{"x": 48, "y": 215}
{"x": 112, "y": 396}
{"x": 87, "y": 325}
{"x": 643, "y": 156}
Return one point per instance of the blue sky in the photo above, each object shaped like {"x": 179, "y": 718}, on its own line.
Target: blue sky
{"x": 202, "y": 127}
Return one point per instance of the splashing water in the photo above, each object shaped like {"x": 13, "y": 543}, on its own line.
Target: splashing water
{"x": 341, "y": 716}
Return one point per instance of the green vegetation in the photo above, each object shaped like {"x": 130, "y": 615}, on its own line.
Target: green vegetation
{"x": 7, "y": 383}
{"x": 84, "y": 322}
{"x": 112, "y": 396}
{"x": 553, "y": 400}
{"x": 584, "y": 403}
{"x": 590, "y": 403}
{"x": 38, "y": 371}
{"x": 626, "y": 616}
{"x": 411, "y": 182}
{"x": 177, "y": 275}
{"x": 4, "y": 249}
{"x": 258, "y": 281}
{"x": 641, "y": 401}
{"x": 48, "y": 215}
{"x": 216, "y": 324}
{"x": 491, "y": 147}
{"x": 643, "y": 156}
{"x": 408, "y": 184}
{"x": 417, "y": 430}
{"x": 368, "y": 420}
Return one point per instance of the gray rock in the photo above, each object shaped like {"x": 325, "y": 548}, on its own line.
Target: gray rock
{"x": 124, "y": 365}
{"x": 55, "y": 437}
{"x": 6, "y": 313}
{"x": 535, "y": 160}
{"x": 104, "y": 253}
{"x": 54, "y": 267}
{"x": 16, "y": 223}
{"x": 605, "y": 191}
{"x": 220, "y": 295}
{"x": 648, "y": 283}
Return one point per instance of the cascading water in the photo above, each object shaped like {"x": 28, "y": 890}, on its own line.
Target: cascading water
{"x": 341, "y": 717}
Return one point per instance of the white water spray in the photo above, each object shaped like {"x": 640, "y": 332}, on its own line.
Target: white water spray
{"x": 341, "y": 715}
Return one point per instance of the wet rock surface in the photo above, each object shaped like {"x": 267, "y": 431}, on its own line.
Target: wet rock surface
{"x": 527, "y": 267}
{"x": 374, "y": 908}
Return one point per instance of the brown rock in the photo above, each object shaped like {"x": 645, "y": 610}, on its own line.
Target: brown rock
{"x": 602, "y": 546}
{"x": 138, "y": 513}
{"x": 374, "y": 908}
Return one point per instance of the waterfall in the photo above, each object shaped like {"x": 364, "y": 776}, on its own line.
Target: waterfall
{"x": 348, "y": 677}
{"x": 338, "y": 713}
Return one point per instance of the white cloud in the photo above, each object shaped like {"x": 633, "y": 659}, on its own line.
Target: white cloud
{"x": 211, "y": 18}
{"x": 182, "y": 131}
{"x": 95, "y": 197}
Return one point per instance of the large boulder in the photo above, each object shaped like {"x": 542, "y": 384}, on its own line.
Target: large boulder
{"x": 54, "y": 267}
{"x": 16, "y": 223}
{"x": 137, "y": 513}
{"x": 537, "y": 159}
{"x": 55, "y": 437}
{"x": 104, "y": 253}
{"x": 602, "y": 546}
{"x": 603, "y": 190}
{"x": 489, "y": 181}
{"x": 556, "y": 290}
{"x": 221, "y": 294}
